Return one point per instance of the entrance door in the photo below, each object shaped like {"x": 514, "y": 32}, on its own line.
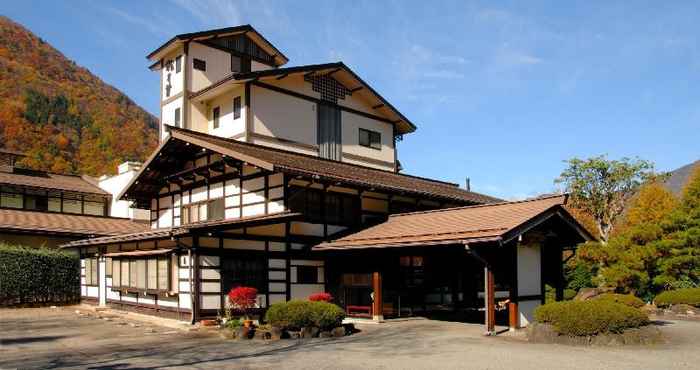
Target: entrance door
{"x": 329, "y": 134}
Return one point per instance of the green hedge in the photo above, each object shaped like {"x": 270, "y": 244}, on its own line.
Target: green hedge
{"x": 690, "y": 296}
{"x": 38, "y": 276}
{"x": 627, "y": 299}
{"x": 583, "y": 318}
{"x": 297, "y": 314}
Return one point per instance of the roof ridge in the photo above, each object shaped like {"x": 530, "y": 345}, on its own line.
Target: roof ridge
{"x": 236, "y": 142}
{"x": 482, "y": 205}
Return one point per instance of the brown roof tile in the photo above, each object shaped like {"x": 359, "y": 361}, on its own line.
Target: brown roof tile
{"x": 463, "y": 224}
{"x": 49, "y": 181}
{"x": 295, "y": 163}
{"x": 46, "y": 222}
{"x": 162, "y": 233}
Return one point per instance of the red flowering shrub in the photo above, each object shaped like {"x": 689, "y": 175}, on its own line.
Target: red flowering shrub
{"x": 243, "y": 297}
{"x": 322, "y": 297}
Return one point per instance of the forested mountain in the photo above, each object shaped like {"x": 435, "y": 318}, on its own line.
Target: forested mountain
{"x": 679, "y": 177}
{"x": 62, "y": 116}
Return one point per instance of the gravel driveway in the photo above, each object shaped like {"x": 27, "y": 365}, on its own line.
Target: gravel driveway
{"x": 59, "y": 338}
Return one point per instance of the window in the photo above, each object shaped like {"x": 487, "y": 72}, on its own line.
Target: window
{"x": 412, "y": 270}
{"x": 36, "y": 202}
{"x": 116, "y": 273}
{"x": 235, "y": 63}
{"x": 370, "y": 139}
{"x": 237, "y": 107}
{"x": 108, "y": 266}
{"x": 215, "y": 210}
{"x": 215, "y": 113}
{"x": 307, "y": 274}
{"x": 199, "y": 64}
{"x": 143, "y": 274}
{"x": 91, "y": 271}
{"x": 10, "y": 200}
{"x": 341, "y": 209}
{"x": 177, "y": 117}
{"x": 239, "y": 271}
{"x": 178, "y": 64}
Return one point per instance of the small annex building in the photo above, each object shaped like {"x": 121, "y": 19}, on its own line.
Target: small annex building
{"x": 288, "y": 180}
{"x": 39, "y": 208}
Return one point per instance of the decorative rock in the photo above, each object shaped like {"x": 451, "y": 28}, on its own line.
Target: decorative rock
{"x": 325, "y": 334}
{"x": 338, "y": 332}
{"x": 585, "y": 294}
{"x": 309, "y": 332}
{"x": 294, "y": 334}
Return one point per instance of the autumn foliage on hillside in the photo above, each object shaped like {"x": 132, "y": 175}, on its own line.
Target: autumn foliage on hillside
{"x": 62, "y": 116}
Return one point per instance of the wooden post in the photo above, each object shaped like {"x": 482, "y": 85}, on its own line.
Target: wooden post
{"x": 377, "y": 304}
{"x": 489, "y": 301}
{"x": 513, "y": 316}
{"x": 560, "y": 272}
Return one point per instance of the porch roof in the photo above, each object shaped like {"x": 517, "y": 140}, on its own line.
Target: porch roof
{"x": 169, "y": 232}
{"x": 499, "y": 222}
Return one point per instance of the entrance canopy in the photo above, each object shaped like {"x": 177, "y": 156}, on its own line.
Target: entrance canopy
{"x": 498, "y": 222}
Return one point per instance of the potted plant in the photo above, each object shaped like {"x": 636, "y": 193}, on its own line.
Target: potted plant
{"x": 243, "y": 299}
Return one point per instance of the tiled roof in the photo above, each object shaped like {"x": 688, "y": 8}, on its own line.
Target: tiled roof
{"x": 454, "y": 225}
{"x": 300, "y": 164}
{"x": 49, "y": 181}
{"x": 151, "y": 234}
{"x": 61, "y": 223}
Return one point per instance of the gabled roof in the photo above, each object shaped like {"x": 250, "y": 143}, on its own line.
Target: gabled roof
{"x": 62, "y": 223}
{"x": 498, "y": 222}
{"x": 305, "y": 165}
{"x": 50, "y": 181}
{"x": 338, "y": 70}
{"x": 280, "y": 58}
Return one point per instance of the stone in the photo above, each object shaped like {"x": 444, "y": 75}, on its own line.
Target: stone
{"x": 338, "y": 332}
{"x": 325, "y": 334}
{"x": 275, "y": 333}
{"x": 227, "y": 334}
{"x": 585, "y": 294}
{"x": 309, "y": 332}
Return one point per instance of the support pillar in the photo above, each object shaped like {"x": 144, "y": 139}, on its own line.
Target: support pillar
{"x": 513, "y": 316}
{"x": 489, "y": 301}
{"x": 377, "y": 302}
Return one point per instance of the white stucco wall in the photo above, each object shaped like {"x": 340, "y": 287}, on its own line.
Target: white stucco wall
{"x": 228, "y": 126}
{"x": 218, "y": 66}
{"x": 167, "y": 115}
{"x": 176, "y": 78}
{"x": 529, "y": 280}
{"x": 114, "y": 185}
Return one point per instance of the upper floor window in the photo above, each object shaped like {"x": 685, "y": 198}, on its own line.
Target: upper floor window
{"x": 329, "y": 207}
{"x": 178, "y": 64}
{"x": 204, "y": 211}
{"x": 370, "y": 139}
{"x": 177, "y": 117}
{"x": 199, "y": 64}
{"x": 216, "y": 112}
{"x": 237, "y": 107}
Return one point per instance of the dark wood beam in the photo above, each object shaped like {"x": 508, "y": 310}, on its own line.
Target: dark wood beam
{"x": 378, "y": 106}
{"x": 283, "y": 76}
{"x": 356, "y": 89}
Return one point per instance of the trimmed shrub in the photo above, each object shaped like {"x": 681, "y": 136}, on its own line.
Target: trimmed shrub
{"x": 297, "y": 314}
{"x": 327, "y": 315}
{"x": 583, "y": 318}
{"x": 38, "y": 276}
{"x": 689, "y": 296}
{"x": 626, "y": 299}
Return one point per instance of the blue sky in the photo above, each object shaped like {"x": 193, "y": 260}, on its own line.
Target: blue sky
{"x": 502, "y": 92}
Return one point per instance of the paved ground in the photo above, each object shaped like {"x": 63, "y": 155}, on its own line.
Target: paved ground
{"x": 59, "y": 338}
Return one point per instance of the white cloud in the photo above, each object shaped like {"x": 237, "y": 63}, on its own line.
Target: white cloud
{"x": 214, "y": 13}
{"x": 148, "y": 24}
{"x": 444, "y": 73}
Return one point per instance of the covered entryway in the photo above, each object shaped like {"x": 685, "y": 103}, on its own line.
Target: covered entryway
{"x": 482, "y": 263}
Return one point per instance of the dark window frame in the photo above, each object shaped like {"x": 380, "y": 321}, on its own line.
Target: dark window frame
{"x": 199, "y": 64}
{"x": 186, "y": 211}
{"x": 237, "y": 107}
{"x": 216, "y": 116}
{"x": 373, "y": 139}
{"x": 244, "y": 270}
{"x": 178, "y": 64}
